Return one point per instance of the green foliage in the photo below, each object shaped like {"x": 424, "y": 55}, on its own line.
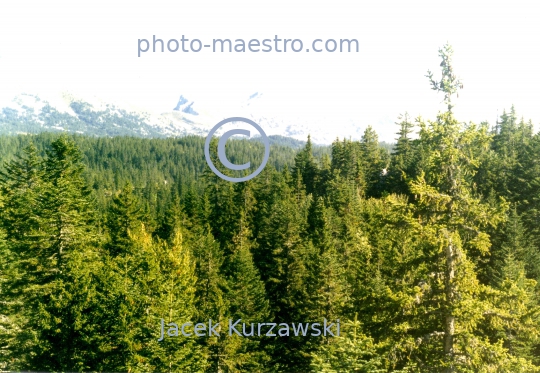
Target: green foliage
{"x": 449, "y": 83}
{"x": 351, "y": 352}
{"x": 403, "y": 159}
{"x": 102, "y": 238}
{"x": 49, "y": 234}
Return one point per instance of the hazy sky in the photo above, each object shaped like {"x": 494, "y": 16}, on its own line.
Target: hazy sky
{"x": 92, "y": 49}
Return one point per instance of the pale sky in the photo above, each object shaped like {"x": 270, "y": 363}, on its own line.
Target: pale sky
{"x": 91, "y": 47}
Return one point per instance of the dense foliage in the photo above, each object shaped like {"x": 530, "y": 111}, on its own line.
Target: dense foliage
{"x": 429, "y": 255}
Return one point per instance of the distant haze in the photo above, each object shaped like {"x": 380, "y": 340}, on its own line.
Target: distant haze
{"x": 90, "y": 48}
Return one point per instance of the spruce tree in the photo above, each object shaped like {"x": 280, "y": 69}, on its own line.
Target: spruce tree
{"x": 351, "y": 352}
{"x": 402, "y": 159}
{"x": 173, "y": 300}
{"x": 282, "y": 254}
{"x": 374, "y": 160}
{"x": 124, "y": 215}
{"x": 124, "y": 303}
{"x": 326, "y": 267}
{"x": 210, "y": 296}
{"x": 8, "y": 325}
{"x": 515, "y": 243}
{"x": 50, "y": 230}
{"x": 21, "y": 184}
{"x": 455, "y": 218}
{"x": 247, "y": 300}
{"x": 306, "y": 168}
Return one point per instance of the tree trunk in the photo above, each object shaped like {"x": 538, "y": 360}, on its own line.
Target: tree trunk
{"x": 450, "y": 290}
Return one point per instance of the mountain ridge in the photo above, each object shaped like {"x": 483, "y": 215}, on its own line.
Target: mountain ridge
{"x": 67, "y": 112}
{"x": 81, "y": 117}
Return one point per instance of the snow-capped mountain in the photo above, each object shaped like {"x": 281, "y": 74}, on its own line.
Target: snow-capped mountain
{"x": 29, "y": 113}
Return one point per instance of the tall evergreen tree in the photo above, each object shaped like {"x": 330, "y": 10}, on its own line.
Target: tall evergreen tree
{"x": 173, "y": 300}
{"x": 306, "y": 168}
{"x": 8, "y": 326}
{"x": 211, "y": 301}
{"x": 351, "y": 352}
{"x": 282, "y": 254}
{"x": 454, "y": 219}
{"x": 402, "y": 158}
{"x": 52, "y": 286}
{"x": 514, "y": 242}
{"x": 374, "y": 161}
{"x": 125, "y": 215}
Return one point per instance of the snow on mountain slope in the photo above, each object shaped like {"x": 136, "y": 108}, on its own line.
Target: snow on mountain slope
{"x": 67, "y": 111}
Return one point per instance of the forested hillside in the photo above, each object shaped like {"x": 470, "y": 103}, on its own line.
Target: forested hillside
{"x": 156, "y": 168}
{"x": 429, "y": 256}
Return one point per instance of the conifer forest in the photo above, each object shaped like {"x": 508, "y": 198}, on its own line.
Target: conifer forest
{"x": 427, "y": 252}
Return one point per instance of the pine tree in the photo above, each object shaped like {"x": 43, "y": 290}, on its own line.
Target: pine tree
{"x": 52, "y": 287}
{"x": 505, "y": 167}
{"x": 515, "y": 243}
{"x": 351, "y": 352}
{"x": 124, "y": 303}
{"x": 306, "y": 169}
{"x": 282, "y": 255}
{"x": 211, "y": 301}
{"x": 327, "y": 268}
{"x": 144, "y": 283}
{"x": 67, "y": 198}
{"x": 125, "y": 214}
{"x": 173, "y": 217}
{"x": 173, "y": 300}
{"x": 247, "y": 300}
{"x": 325, "y": 175}
{"x": 349, "y": 164}
{"x": 8, "y": 326}
{"x": 21, "y": 183}
{"x": 373, "y": 161}
{"x": 402, "y": 158}
{"x": 454, "y": 220}
{"x": 516, "y": 313}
